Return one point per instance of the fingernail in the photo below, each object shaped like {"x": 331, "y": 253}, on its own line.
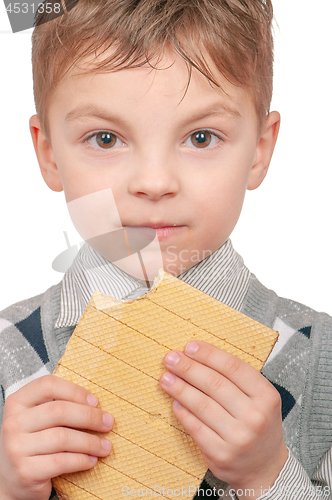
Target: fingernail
{"x": 191, "y": 347}
{"x": 106, "y": 445}
{"x": 167, "y": 378}
{"x": 172, "y": 358}
{"x": 93, "y": 459}
{"x": 107, "y": 419}
{"x": 176, "y": 405}
{"x": 92, "y": 400}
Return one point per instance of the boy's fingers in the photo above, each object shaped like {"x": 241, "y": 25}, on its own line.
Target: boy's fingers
{"x": 206, "y": 410}
{"x": 240, "y": 373}
{"x": 61, "y": 439}
{"x": 201, "y": 433}
{"x": 43, "y": 467}
{"x": 209, "y": 382}
{"x": 65, "y": 414}
{"x": 49, "y": 388}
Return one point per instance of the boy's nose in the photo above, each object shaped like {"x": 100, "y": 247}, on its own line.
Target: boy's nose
{"x": 153, "y": 180}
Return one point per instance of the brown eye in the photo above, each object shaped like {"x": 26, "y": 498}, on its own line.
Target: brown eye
{"x": 201, "y": 139}
{"x": 106, "y": 140}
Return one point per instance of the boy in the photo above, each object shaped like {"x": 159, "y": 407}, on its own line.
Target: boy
{"x": 117, "y": 111}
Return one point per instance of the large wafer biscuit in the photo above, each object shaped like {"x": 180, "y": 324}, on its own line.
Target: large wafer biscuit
{"x": 117, "y": 353}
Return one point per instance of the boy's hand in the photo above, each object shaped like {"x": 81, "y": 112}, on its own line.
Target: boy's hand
{"x": 42, "y": 436}
{"x": 231, "y": 411}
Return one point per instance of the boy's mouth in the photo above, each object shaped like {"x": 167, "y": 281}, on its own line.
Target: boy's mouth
{"x": 163, "y": 230}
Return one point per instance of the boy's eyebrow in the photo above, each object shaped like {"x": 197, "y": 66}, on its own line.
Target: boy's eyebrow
{"x": 214, "y": 109}
{"x": 86, "y": 110}
{"x": 91, "y": 111}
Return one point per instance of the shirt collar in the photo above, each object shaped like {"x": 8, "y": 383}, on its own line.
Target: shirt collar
{"x": 221, "y": 275}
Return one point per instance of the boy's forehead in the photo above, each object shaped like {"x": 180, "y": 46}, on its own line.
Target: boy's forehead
{"x": 164, "y": 82}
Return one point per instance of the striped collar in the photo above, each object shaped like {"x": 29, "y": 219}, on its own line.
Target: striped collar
{"x": 221, "y": 275}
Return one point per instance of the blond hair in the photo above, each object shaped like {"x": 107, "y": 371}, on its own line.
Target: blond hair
{"x": 235, "y": 34}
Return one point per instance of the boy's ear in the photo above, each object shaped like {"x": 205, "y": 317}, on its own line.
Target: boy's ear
{"x": 264, "y": 150}
{"x": 45, "y": 156}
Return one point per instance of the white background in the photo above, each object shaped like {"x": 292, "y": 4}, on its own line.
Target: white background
{"x": 284, "y": 233}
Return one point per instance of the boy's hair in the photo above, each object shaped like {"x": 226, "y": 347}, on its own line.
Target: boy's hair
{"x": 235, "y": 34}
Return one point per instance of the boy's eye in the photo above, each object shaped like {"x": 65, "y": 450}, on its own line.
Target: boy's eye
{"x": 104, "y": 140}
{"x": 203, "y": 139}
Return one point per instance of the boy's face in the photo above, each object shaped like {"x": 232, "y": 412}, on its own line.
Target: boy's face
{"x": 181, "y": 167}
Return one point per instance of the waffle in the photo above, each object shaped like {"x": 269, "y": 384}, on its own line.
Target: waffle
{"x": 117, "y": 353}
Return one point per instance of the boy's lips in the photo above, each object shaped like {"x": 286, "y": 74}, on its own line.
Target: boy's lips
{"x": 163, "y": 230}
